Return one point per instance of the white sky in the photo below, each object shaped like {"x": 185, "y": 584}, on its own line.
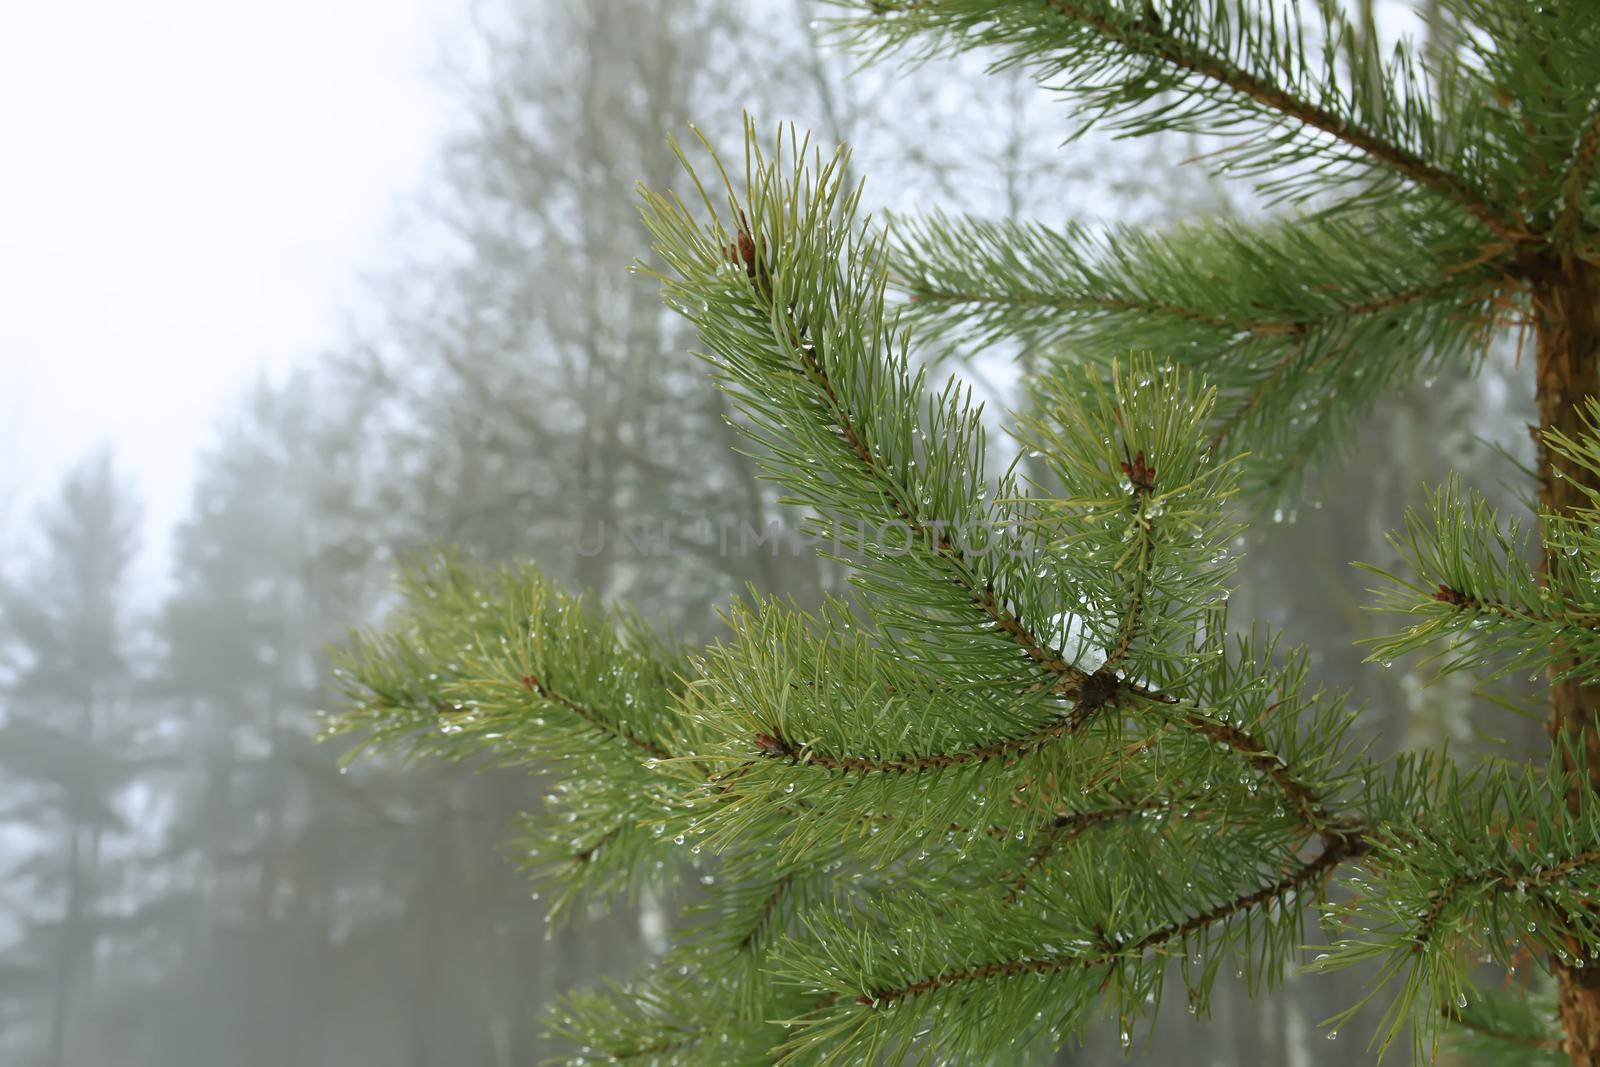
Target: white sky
{"x": 189, "y": 190}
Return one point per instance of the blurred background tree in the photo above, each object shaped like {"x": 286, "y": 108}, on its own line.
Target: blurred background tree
{"x": 71, "y": 749}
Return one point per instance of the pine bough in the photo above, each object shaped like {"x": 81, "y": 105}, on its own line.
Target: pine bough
{"x": 1028, "y": 774}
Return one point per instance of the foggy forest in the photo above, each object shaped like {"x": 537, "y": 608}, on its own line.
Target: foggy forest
{"x": 193, "y": 875}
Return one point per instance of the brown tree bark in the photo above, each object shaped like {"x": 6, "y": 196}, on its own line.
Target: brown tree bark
{"x": 1566, "y": 308}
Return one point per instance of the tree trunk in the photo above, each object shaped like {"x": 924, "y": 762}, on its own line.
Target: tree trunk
{"x": 68, "y": 943}
{"x": 1566, "y": 307}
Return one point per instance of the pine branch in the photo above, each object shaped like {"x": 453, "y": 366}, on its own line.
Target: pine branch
{"x": 1077, "y": 273}
{"x": 1074, "y": 430}
{"x": 1477, "y": 598}
{"x": 1299, "y": 342}
{"x": 936, "y": 300}
{"x": 753, "y": 901}
{"x": 1242, "y": 70}
{"x": 666, "y": 1017}
{"x": 1527, "y": 85}
{"x": 496, "y": 663}
{"x": 1140, "y": 476}
{"x": 1137, "y": 38}
{"x": 1311, "y": 873}
{"x": 924, "y": 477}
{"x": 894, "y": 797}
{"x": 1070, "y": 678}
{"x": 1106, "y": 933}
{"x": 825, "y": 719}
{"x": 1012, "y": 748}
{"x": 1131, "y": 515}
{"x": 1497, "y": 880}
{"x": 1397, "y": 301}
{"x": 791, "y": 306}
{"x": 1468, "y": 865}
{"x": 1070, "y": 826}
{"x": 768, "y": 906}
{"x": 1207, "y": 723}
{"x": 863, "y": 749}
{"x": 459, "y": 672}
{"x": 614, "y": 731}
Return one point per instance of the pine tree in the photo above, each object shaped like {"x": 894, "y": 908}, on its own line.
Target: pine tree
{"x": 69, "y": 751}
{"x": 292, "y": 885}
{"x": 1031, "y": 772}
{"x": 238, "y": 632}
{"x": 533, "y": 343}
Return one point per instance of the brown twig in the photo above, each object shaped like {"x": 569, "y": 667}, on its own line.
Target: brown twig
{"x": 1066, "y": 828}
{"x": 1312, "y": 871}
{"x": 768, "y": 906}
{"x": 534, "y": 684}
{"x": 1215, "y": 68}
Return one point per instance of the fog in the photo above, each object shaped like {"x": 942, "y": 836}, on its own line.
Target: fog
{"x": 294, "y": 290}
{"x": 191, "y": 193}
